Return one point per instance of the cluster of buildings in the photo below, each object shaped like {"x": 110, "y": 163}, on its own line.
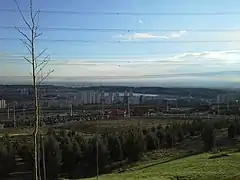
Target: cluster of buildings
{"x": 3, "y": 104}
{"x": 96, "y": 97}
{"x": 226, "y": 98}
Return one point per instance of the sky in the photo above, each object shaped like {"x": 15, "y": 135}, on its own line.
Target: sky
{"x": 145, "y": 47}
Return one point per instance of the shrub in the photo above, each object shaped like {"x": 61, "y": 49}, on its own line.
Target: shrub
{"x": 7, "y": 161}
{"x": 170, "y": 140}
{"x": 115, "y": 148}
{"x": 151, "y": 141}
{"x": 52, "y": 157}
{"x": 209, "y": 137}
{"x": 133, "y": 145}
{"x": 160, "y": 136}
{"x": 25, "y": 151}
{"x": 232, "y": 130}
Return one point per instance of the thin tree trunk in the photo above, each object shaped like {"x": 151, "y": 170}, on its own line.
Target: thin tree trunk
{"x": 43, "y": 156}
{"x": 36, "y": 128}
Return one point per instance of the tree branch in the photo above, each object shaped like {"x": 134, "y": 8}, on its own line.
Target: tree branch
{"x": 31, "y": 15}
{"x": 26, "y": 45}
{"x": 41, "y": 53}
{"x": 37, "y": 34}
{"x": 45, "y": 77}
{"x": 37, "y": 22}
{"x": 23, "y": 34}
{"x": 29, "y": 61}
{"x": 24, "y": 19}
{"x": 43, "y": 64}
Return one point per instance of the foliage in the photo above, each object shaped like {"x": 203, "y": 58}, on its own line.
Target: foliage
{"x": 52, "y": 157}
{"x": 209, "y": 137}
{"x": 74, "y": 154}
{"x": 7, "y": 159}
{"x": 232, "y": 130}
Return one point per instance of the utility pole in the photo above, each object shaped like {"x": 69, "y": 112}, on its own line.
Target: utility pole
{"x": 102, "y": 104}
{"x": 71, "y": 110}
{"x": 167, "y": 106}
{"x": 23, "y": 112}
{"x": 228, "y": 104}
{"x": 8, "y": 112}
{"x": 14, "y": 117}
{"x": 128, "y": 104}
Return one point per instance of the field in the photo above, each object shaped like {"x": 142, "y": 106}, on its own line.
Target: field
{"x": 199, "y": 167}
{"x": 112, "y": 125}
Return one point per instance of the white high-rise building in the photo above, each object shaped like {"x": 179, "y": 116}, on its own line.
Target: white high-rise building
{"x": 116, "y": 97}
{"x": 2, "y": 104}
{"x": 93, "y": 97}
{"x": 109, "y": 98}
{"x": 98, "y": 97}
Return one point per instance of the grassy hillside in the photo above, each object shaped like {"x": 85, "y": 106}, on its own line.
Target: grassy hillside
{"x": 199, "y": 167}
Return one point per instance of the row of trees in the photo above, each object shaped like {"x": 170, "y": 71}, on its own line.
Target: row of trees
{"x": 72, "y": 154}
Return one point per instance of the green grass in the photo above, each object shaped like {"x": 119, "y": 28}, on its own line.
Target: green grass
{"x": 198, "y": 167}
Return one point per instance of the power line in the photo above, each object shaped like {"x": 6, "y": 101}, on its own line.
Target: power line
{"x": 222, "y": 13}
{"x": 123, "y": 29}
{"x": 103, "y": 63}
{"x": 113, "y": 54}
{"x": 124, "y": 42}
{"x": 192, "y": 74}
{"x": 58, "y": 62}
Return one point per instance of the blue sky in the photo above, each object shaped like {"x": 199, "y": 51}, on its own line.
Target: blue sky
{"x": 127, "y": 59}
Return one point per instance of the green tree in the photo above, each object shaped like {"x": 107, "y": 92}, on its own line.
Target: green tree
{"x": 209, "y": 137}
{"x": 7, "y": 161}
{"x": 52, "y": 157}
{"x": 232, "y": 130}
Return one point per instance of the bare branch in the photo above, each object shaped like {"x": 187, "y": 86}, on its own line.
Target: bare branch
{"x": 37, "y": 26}
{"x": 28, "y": 60}
{"x": 23, "y": 34}
{"x": 36, "y": 14}
{"x": 37, "y": 34}
{"x": 45, "y": 77}
{"x": 41, "y": 53}
{"x": 43, "y": 64}
{"x": 26, "y": 45}
{"x": 31, "y": 13}
{"x": 23, "y": 17}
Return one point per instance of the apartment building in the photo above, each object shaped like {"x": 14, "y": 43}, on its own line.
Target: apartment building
{"x": 3, "y": 104}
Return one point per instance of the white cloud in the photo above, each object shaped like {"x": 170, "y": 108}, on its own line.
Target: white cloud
{"x": 135, "y": 36}
{"x": 138, "y": 67}
{"x": 145, "y": 36}
{"x": 140, "y": 21}
{"x": 177, "y": 35}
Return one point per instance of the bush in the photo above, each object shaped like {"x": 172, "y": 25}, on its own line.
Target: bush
{"x": 133, "y": 145}
{"x": 160, "y": 136}
{"x": 52, "y": 157}
{"x": 232, "y": 130}
{"x": 151, "y": 141}
{"x": 237, "y": 122}
{"x": 7, "y": 161}
{"x": 115, "y": 148}
{"x": 25, "y": 151}
{"x": 170, "y": 140}
{"x": 209, "y": 137}
{"x": 68, "y": 160}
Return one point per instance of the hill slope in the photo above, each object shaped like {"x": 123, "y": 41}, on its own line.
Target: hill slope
{"x": 199, "y": 167}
